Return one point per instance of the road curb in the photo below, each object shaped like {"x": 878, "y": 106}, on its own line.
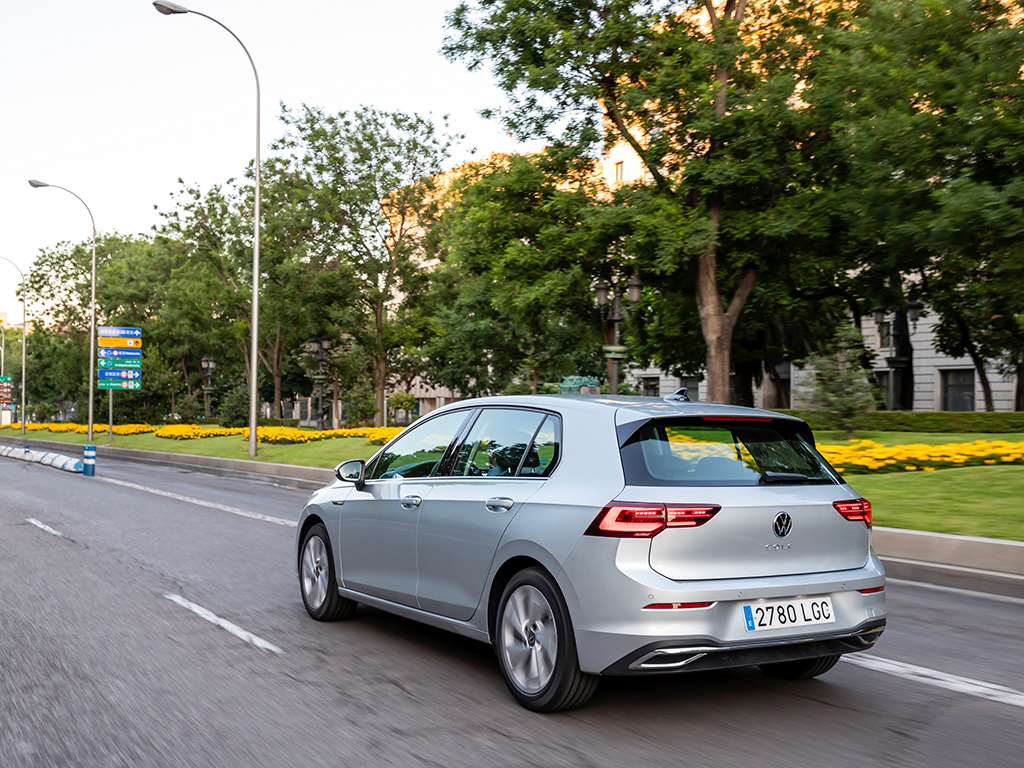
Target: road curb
{"x": 965, "y": 562}
{"x": 288, "y": 475}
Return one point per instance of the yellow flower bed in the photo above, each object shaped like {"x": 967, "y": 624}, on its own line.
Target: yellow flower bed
{"x": 194, "y": 431}
{"x": 82, "y": 429}
{"x": 865, "y": 456}
{"x": 278, "y": 435}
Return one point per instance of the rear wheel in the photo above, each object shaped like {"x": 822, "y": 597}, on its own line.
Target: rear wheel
{"x": 535, "y": 645}
{"x": 316, "y": 578}
{"x": 800, "y": 670}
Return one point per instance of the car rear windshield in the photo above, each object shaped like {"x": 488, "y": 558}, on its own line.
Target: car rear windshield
{"x": 723, "y": 452}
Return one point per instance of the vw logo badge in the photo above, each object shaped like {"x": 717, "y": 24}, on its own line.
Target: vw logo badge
{"x": 782, "y": 525}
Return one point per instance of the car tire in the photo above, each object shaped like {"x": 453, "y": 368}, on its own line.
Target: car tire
{"x": 317, "y": 582}
{"x": 536, "y": 648}
{"x": 802, "y": 669}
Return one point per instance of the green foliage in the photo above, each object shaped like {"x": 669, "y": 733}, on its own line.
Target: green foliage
{"x": 402, "y": 401}
{"x": 840, "y": 394}
{"x": 358, "y": 404}
{"x": 516, "y": 298}
{"x": 927, "y": 421}
{"x": 234, "y": 407}
{"x": 368, "y": 180}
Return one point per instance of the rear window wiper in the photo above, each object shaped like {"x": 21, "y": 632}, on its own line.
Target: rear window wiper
{"x": 782, "y": 477}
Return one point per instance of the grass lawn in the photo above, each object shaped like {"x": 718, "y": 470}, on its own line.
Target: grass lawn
{"x": 922, "y": 438}
{"x": 971, "y": 501}
{"x": 324, "y": 453}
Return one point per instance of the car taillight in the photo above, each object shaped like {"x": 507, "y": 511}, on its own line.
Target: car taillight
{"x": 638, "y": 521}
{"x": 675, "y": 606}
{"x": 855, "y": 510}
{"x": 871, "y": 591}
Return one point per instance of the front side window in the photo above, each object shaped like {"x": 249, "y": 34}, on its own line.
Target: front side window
{"x": 729, "y": 453}
{"x": 418, "y": 452}
{"x": 498, "y": 444}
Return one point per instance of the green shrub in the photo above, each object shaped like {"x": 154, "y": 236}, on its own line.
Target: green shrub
{"x": 928, "y": 421}
{"x": 234, "y": 408}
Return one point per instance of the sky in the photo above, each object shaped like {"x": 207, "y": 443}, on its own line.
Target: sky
{"x": 116, "y": 102}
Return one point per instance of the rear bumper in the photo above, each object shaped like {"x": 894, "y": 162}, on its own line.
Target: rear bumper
{"x": 607, "y": 585}
{"x": 698, "y": 654}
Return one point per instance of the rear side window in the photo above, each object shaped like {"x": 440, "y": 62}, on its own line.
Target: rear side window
{"x": 498, "y": 444}
{"x": 722, "y": 453}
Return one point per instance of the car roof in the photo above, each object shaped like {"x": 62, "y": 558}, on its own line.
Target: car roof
{"x": 631, "y": 408}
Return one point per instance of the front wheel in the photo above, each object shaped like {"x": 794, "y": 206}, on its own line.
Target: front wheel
{"x": 800, "y": 670}
{"x": 535, "y": 645}
{"x": 317, "y": 580}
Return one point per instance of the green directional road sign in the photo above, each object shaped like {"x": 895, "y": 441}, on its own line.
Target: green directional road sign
{"x": 5, "y": 379}
{"x": 118, "y": 384}
{"x": 120, "y": 364}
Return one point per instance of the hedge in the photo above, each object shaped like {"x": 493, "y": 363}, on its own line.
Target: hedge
{"x": 929, "y": 421}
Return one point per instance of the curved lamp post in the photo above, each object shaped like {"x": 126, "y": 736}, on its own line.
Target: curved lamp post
{"x": 170, "y": 9}
{"x": 24, "y": 341}
{"x": 35, "y": 184}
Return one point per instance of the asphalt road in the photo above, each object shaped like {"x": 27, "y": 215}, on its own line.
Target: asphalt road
{"x": 100, "y": 667}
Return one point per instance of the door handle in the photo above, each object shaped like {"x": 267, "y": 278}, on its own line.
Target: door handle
{"x": 498, "y": 504}
{"x": 408, "y": 502}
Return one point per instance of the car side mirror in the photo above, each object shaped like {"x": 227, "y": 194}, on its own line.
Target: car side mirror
{"x": 352, "y": 471}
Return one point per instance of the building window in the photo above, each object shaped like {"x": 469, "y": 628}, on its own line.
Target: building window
{"x": 692, "y": 384}
{"x": 885, "y": 335}
{"x": 652, "y": 386}
{"x": 620, "y": 172}
{"x": 958, "y": 390}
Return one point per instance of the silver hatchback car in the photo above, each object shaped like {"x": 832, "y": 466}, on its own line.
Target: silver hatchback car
{"x": 592, "y": 535}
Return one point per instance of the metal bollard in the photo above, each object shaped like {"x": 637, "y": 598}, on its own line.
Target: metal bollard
{"x": 89, "y": 461}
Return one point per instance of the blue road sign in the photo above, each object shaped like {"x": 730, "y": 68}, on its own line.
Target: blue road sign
{"x": 124, "y": 354}
{"x": 115, "y": 374}
{"x": 119, "y": 332}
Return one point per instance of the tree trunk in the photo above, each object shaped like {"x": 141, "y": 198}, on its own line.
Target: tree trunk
{"x": 1018, "y": 394}
{"x": 904, "y": 375}
{"x": 380, "y": 376}
{"x": 279, "y": 414}
{"x": 979, "y": 363}
{"x": 717, "y": 324}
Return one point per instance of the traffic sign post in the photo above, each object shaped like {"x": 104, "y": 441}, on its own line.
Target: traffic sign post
{"x": 6, "y": 390}
{"x": 120, "y": 364}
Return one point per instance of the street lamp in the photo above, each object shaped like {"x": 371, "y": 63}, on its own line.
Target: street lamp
{"x": 320, "y": 345}
{"x": 24, "y": 341}
{"x": 169, "y": 9}
{"x": 35, "y": 184}
{"x": 208, "y": 364}
{"x": 615, "y": 351}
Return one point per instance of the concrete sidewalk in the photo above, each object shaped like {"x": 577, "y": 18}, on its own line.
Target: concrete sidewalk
{"x": 963, "y": 562}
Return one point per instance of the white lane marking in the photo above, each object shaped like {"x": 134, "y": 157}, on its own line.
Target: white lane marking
{"x": 202, "y": 503}
{"x": 966, "y": 685}
{"x": 234, "y": 629}
{"x": 45, "y": 527}
{"x": 956, "y": 591}
{"x": 960, "y": 568}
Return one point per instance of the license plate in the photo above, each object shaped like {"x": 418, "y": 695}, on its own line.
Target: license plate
{"x": 777, "y": 614}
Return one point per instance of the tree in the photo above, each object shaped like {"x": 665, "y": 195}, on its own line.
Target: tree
{"x": 521, "y": 252}
{"x": 928, "y": 104}
{"x": 369, "y": 181}
{"x": 839, "y": 391}
{"x": 707, "y": 98}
